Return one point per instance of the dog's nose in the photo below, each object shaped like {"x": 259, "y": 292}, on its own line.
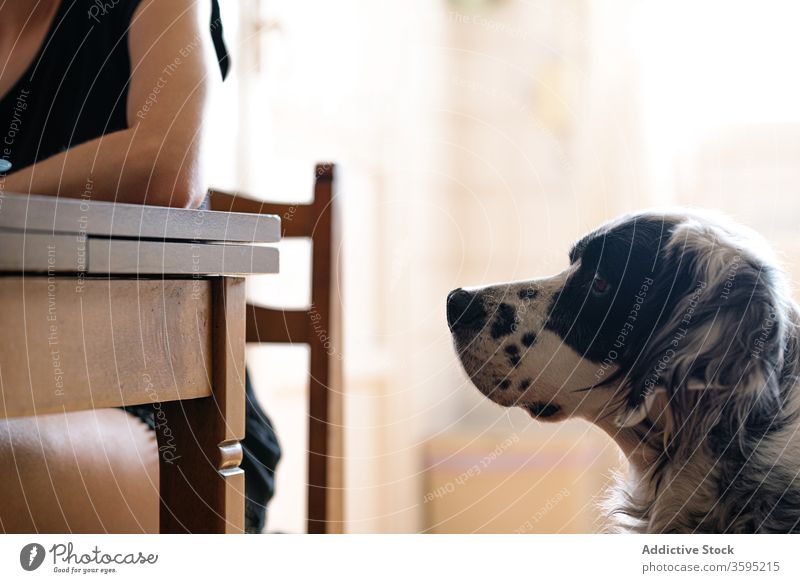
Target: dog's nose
{"x": 464, "y": 310}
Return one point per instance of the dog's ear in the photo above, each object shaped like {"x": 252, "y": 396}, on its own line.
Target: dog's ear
{"x": 724, "y": 331}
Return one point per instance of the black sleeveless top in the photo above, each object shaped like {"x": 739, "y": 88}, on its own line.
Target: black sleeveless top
{"x": 76, "y": 88}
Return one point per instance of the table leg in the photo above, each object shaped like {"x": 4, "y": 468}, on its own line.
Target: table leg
{"x": 201, "y": 484}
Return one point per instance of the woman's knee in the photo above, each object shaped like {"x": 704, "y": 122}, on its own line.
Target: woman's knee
{"x": 89, "y": 471}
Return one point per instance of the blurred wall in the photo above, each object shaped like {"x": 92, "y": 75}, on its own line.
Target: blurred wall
{"x": 477, "y": 140}
{"x": 470, "y": 154}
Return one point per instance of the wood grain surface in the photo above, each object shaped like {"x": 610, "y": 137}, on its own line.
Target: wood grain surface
{"x": 70, "y": 344}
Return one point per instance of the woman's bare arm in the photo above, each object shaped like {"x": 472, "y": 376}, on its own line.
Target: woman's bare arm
{"x": 157, "y": 160}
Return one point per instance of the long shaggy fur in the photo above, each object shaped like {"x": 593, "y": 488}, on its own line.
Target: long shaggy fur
{"x": 723, "y": 454}
{"x": 675, "y": 332}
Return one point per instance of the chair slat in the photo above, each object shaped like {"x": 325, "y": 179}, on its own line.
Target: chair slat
{"x": 268, "y": 325}
{"x": 297, "y": 220}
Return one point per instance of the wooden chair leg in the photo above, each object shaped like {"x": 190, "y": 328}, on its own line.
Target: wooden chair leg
{"x": 325, "y": 487}
{"x": 202, "y": 486}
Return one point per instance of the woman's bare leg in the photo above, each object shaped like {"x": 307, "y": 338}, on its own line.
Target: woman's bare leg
{"x": 89, "y": 471}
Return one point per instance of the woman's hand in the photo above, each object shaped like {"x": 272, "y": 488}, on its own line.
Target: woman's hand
{"x": 157, "y": 160}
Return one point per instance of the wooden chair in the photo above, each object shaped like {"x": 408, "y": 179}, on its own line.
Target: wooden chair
{"x": 319, "y": 327}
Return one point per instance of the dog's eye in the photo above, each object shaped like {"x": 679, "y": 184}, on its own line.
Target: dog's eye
{"x": 600, "y": 286}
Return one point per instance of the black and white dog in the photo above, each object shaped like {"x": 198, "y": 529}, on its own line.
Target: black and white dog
{"x": 675, "y": 333}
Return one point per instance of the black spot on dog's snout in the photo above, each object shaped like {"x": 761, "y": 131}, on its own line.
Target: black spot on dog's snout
{"x": 524, "y": 384}
{"x": 529, "y": 339}
{"x": 505, "y": 318}
{"x": 504, "y": 384}
{"x": 528, "y": 293}
{"x": 513, "y": 354}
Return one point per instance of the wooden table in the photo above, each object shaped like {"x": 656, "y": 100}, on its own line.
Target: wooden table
{"x": 104, "y": 305}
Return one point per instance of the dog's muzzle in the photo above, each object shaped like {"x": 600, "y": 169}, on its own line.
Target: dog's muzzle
{"x": 465, "y": 311}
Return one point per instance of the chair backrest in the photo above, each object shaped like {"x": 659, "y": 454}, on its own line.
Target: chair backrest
{"x": 319, "y": 327}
